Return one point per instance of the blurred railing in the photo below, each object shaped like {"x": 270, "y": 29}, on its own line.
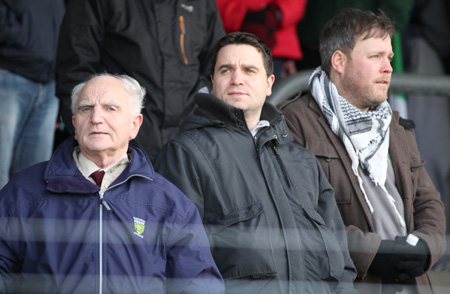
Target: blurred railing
{"x": 400, "y": 83}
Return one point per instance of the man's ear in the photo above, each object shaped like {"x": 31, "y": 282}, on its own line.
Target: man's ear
{"x": 338, "y": 61}
{"x": 135, "y": 126}
{"x": 73, "y": 123}
{"x": 270, "y": 81}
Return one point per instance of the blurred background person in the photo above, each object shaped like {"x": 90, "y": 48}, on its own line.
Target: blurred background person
{"x": 274, "y": 22}
{"x": 28, "y": 106}
{"x": 165, "y": 45}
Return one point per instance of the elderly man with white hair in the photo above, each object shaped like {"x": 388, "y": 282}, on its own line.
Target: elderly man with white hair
{"x": 97, "y": 218}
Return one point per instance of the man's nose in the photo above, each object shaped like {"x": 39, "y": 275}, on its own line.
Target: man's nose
{"x": 237, "y": 78}
{"x": 96, "y": 115}
{"x": 387, "y": 66}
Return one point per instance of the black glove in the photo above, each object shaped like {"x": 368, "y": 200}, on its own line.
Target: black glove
{"x": 414, "y": 262}
{"x": 385, "y": 262}
{"x": 398, "y": 263}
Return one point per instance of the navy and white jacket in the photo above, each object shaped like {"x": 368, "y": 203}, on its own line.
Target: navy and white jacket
{"x": 58, "y": 234}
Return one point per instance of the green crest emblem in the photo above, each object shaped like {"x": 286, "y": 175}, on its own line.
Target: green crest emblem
{"x": 139, "y": 225}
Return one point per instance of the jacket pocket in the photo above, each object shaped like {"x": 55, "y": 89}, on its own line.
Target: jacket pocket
{"x": 240, "y": 243}
{"x": 415, "y": 167}
{"x": 334, "y": 169}
{"x": 323, "y": 255}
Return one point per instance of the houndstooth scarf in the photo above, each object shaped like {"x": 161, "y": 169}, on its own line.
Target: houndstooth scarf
{"x": 365, "y": 134}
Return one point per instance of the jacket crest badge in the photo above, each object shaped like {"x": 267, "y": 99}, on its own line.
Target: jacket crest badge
{"x": 139, "y": 226}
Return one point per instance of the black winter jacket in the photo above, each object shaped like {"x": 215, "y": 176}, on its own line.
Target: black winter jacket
{"x": 28, "y": 37}
{"x": 267, "y": 207}
{"x": 165, "y": 45}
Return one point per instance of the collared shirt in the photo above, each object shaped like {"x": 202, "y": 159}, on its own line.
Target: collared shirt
{"x": 261, "y": 124}
{"x": 87, "y": 167}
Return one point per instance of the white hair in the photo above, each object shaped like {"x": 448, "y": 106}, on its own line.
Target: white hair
{"x": 136, "y": 91}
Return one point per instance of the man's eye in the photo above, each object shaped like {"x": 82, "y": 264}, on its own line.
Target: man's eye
{"x": 85, "y": 109}
{"x": 224, "y": 71}
{"x": 111, "y": 109}
{"x": 250, "y": 71}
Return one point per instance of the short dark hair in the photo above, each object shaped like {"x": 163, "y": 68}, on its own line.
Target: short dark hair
{"x": 343, "y": 30}
{"x": 243, "y": 38}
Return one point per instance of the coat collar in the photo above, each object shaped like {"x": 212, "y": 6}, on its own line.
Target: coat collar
{"x": 63, "y": 176}
{"x": 218, "y": 113}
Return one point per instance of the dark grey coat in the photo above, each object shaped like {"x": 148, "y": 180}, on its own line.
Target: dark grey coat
{"x": 268, "y": 209}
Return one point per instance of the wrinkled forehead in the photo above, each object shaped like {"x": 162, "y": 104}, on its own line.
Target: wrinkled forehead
{"x": 104, "y": 90}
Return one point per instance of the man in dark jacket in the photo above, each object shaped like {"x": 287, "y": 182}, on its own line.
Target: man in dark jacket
{"x": 267, "y": 207}
{"x": 369, "y": 154}
{"x": 165, "y": 45}
{"x": 28, "y": 105}
{"x": 96, "y": 218}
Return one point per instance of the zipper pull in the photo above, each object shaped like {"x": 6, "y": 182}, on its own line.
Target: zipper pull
{"x": 108, "y": 208}
{"x": 275, "y": 149}
{"x": 104, "y": 203}
{"x": 183, "y": 32}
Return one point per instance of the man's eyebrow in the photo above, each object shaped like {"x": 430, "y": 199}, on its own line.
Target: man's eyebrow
{"x": 89, "y": 104}
{"x": 247, "y": 66}
{"x": 227, "y": 65}
{"x": 111, "y": 103}
{"x": 84, "y": 104}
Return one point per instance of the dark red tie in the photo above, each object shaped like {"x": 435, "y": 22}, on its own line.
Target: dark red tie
{"x": 98, "y": 177}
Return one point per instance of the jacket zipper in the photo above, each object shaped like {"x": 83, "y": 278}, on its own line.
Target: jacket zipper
{"x": 280, "y": 162}
{"x": 104, "y": 203}
{"x": 182, "y": 33}
{"x": 100, "y": 243}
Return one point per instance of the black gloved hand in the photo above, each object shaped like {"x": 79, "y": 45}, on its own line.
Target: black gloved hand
{"x": 397, "y": 263}
{"x": 385, "y": 262}
{"x": 415, "y": 260}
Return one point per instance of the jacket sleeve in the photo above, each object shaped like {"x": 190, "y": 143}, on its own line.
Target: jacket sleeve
{"x": 429, "y": 216}
{"x": 329, "y": 211}
{"x": 190, "y": 263}
{"x": 215, "y": 33}
{"x": 79, "y": 50}
{"x": 9, "y": 263}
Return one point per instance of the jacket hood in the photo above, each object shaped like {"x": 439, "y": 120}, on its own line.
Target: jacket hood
{"x": 63, "y": 176}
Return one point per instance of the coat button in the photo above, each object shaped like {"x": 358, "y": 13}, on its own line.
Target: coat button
{"x": 285, "y": 135}
{"x": 413, "y": 169}
{"x": 275, "y": 136}
{"x": 327, "y": 159}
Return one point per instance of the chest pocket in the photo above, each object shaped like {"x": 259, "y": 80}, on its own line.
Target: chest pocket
{"x": 334, "y": 169}
{"x": 240, "y": 244}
